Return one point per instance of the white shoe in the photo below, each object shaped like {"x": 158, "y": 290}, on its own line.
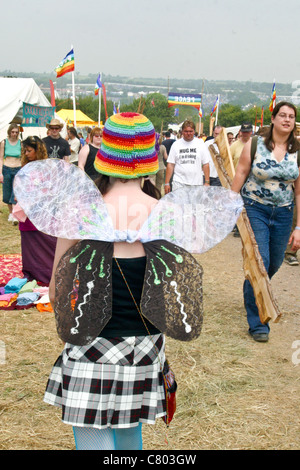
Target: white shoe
{"x": 12, "y": 219}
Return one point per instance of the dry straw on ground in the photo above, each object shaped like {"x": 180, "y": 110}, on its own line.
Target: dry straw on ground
{"x": 233, "y": 393}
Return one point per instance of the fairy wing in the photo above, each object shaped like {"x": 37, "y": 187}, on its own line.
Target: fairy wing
{"x": 172, "y": 296}
{"x": 61, "y": 200}
{"x": 83, "y": 291}
{"x": 195, "y": 219}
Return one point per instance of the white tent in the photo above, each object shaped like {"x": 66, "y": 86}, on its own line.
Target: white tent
{"x": 13, "y": 92}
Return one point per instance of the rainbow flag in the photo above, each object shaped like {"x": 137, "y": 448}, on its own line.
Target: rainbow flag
{"x": 200, "y": 111}
{"x": 66, "y": 65}
{"x": 98, "y": 84}
{"x": 273, "y": 100}
{"x": 175, "y": 99}
{"x": 215, "y": 106}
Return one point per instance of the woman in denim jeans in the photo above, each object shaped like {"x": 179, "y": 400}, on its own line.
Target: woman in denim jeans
{"x": 269, "y": 186}
{"x": 10, "y": 164}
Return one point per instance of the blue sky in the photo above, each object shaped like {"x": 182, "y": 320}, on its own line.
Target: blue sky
{"x": 212, "y": 39}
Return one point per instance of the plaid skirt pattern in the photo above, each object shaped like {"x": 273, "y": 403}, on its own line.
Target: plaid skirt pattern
{"x": 115, "y": 382}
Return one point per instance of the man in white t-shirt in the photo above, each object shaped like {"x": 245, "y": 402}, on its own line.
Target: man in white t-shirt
{"x": 187, "y": 159}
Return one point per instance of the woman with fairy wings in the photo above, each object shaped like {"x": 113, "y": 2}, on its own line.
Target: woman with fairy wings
{"x": 123, "y": 278}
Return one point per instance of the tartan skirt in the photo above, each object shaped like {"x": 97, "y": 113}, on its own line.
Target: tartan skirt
{"x": 112, "y": 382}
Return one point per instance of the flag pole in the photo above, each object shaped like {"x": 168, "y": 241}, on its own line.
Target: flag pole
{"x": 199, "y": 123}
{"x": 200, "y": 109}
{"x": 218, "y": 104}
{"x": 73, "y": 92}
{"x": 74, "y": 100}
{"x": 99, "y": 108}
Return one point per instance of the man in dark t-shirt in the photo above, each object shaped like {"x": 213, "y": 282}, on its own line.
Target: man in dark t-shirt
{"x": 57, "y": 147}
{"x": 168, "y": 142}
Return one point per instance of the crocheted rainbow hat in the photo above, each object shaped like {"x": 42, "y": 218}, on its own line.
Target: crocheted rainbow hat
{"x": 128, "y": 147}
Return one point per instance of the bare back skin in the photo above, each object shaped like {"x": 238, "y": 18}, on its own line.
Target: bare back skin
{"x": 129, "y": 207}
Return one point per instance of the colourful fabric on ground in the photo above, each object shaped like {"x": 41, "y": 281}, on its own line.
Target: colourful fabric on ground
{"x": 10, "y": 266}
{"x": 15, "y": 292}
{"x": 15, "y": 285}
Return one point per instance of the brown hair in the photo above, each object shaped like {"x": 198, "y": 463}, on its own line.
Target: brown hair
{"x": 95, "y": 130}
{"x": 188, "y": 123}
{"x": 38, "y": 145}
{"x": 11, "y": 127}
{"x": 73, "y": 131}
{"x": 148, "y": 188}
{"x": 292, "y": 143}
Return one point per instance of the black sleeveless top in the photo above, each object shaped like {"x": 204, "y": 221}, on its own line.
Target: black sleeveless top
{"x": 126, "y": 320}
{"x": 89, "y": 165}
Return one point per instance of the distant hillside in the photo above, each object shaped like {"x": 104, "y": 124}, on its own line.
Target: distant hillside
{"x": 125, "y": 89}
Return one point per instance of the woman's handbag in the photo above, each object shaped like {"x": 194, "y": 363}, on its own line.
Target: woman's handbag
{"x": 170, "y": 389}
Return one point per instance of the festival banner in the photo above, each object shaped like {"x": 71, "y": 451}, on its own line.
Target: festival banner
{"x": 66, "y": 65}
{"x": 37, "y": 116}
{"x": 175, "y": 99}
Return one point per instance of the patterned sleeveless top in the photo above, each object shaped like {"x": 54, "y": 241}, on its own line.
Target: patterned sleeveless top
{"x": 271, "y": 182}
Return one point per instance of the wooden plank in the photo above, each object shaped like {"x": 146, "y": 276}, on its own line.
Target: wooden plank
{"x": 253, "y": 265}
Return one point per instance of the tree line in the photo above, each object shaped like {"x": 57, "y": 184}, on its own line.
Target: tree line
{"x": 155, "y": 107}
